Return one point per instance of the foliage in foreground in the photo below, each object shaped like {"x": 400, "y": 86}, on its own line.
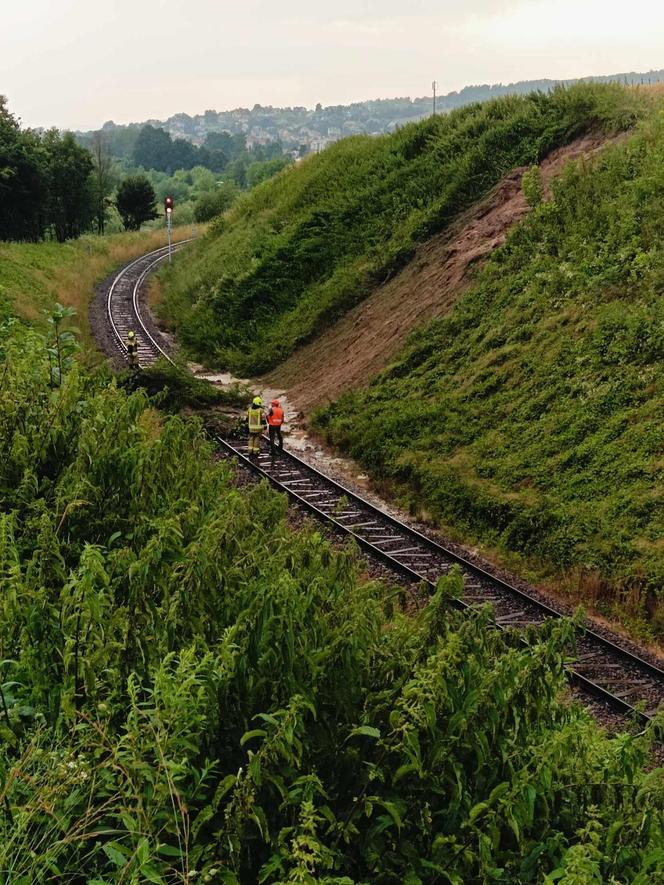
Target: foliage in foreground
{"x": 191, "y": 691}
{"x": 533, "y": 416}
{"x": 305, "y": 247}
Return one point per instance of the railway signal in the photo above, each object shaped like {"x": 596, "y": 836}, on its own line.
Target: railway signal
{"x": 168, "y": 206}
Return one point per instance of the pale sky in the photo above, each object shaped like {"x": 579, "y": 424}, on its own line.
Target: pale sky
{"x": 76, "y": 63}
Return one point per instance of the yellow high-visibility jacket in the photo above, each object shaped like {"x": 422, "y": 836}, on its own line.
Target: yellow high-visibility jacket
{"x": 255, "y": 419}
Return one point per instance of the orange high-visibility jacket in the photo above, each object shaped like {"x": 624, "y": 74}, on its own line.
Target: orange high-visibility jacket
{"x": 275, "y": 417}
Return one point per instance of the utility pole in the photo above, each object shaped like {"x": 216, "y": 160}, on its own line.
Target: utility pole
{"x": 434, "y": 86}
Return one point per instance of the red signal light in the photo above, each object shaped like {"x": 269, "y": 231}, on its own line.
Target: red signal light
{"x": 168, "y": 204}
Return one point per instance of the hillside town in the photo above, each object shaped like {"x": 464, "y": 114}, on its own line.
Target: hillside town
{"x": 302, "y": 130}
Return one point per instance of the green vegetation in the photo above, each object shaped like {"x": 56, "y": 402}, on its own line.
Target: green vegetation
{"x": 136, "y": 202}
{"x": 175, "y": 389}
{"x": 191, "y": 691}
{"x": 302, "y": 249}
{"x": 33, "y": 276}
{"x": 46, "y": 183}
{"x": 532, "y": 418}
{"x": 221, "y": 152}
{"x": 215, "y": 202}
{"x": 55, "y": 187}
{"x": 204, "y": 181}
{"x": 200, "y": 194}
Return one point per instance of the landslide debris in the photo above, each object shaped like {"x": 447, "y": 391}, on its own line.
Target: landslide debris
{"x": 364, "y": 341}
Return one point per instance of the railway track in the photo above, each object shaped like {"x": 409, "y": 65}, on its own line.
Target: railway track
{"x": 609, "y": 673}
{"x": 124, "y": 310}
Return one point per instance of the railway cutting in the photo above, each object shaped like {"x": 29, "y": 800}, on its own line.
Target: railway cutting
{"x": 599, "y": 668}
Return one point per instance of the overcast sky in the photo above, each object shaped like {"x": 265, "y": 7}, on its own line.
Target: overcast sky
{"x": 77, "y": 63}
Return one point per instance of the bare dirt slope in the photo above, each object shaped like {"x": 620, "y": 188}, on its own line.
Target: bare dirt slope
{"x": 365, "y": 340}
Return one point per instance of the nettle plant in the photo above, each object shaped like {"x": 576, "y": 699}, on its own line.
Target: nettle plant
{"x": 193, "y": 691}
{"x": 62, "y": 344}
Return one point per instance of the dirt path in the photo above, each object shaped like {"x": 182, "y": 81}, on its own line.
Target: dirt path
{"x": 365, "y": 340}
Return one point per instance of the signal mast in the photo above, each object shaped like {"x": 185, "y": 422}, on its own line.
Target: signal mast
{"x": 168, "y": 206}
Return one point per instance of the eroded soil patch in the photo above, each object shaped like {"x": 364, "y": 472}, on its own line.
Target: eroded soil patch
{"x": 365, "y": 340}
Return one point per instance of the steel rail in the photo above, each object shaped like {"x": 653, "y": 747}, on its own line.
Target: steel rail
{"x": 578, "y": 678}
{"x": 162, "y": 252}
{"x": 135, "y": 301}
{"x": 472, "y": 567}
{"x": 386, "y": 557}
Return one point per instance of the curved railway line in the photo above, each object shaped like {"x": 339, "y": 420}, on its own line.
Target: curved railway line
{"x": 124, "y": 309}
{"x": 609, "y": 673}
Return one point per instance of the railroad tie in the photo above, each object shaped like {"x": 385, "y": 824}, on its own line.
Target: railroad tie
{"x": 511, "y": 618}
{"x": 361, "y": 525}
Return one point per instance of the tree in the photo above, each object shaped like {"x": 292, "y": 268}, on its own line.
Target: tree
{"x": 102, "y": 178}
{"x": 214, "y": 202}
{"x": 135, "y": 201}
{"x": 259, "y": 172}
{"x": 153, "y": 149}
{"x": 183, "y": 154}
{"x": 69, "y": 170}
{"x": 219, "y": 141}
{"x": 23, "y": 183}
{"x": 237, "y": 171}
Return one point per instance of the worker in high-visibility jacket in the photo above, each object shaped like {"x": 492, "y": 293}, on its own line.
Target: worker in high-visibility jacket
{"x": 255, "y": 425}
{"x": 275, "y": 418}
{"x": 132, "y": 349}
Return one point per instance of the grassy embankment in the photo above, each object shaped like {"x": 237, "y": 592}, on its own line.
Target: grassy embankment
{"x": 192, "y": 692}
{"x": 532, "y": 418}
{"x": 33, "y": 276}
{"x": 303, "y": 248}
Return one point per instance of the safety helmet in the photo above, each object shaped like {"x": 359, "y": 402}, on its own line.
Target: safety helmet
{"x": 275, "y": 402}
{"x": 258, "y": 401}
{"x": 130, "y": 334}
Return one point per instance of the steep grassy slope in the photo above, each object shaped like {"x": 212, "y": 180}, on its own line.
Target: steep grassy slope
{"x": 191, "y": 691}
{"x": 369, "y": 337}
{"x": 303, "y": 249}
{"x": 532, "y": 418}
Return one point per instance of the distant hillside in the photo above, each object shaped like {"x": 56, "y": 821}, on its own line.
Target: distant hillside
{"x": 318, "y": 127}
{"x": 304, "y": 248}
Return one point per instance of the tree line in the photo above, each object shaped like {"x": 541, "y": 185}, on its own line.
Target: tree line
{"x": 221, "y": 152}
{"x": 47, "y": 183}
{"x": 53, "y": 188}
{"x": 55, "y": 185}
